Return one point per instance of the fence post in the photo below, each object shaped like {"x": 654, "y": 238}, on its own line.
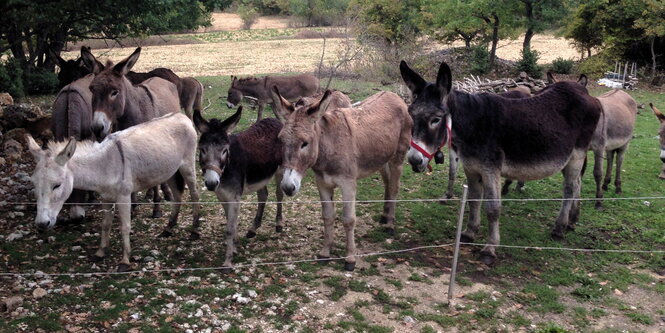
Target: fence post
{"x": 453, "y": 272}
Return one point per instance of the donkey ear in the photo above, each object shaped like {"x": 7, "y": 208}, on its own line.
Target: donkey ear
{"x": 34, "y": 148}
{"x": 660, "y": 115}
{"x": 413, "y": 80}
{"x": 230, "y": 123}
{"x": 550, "y": 78}
{"x": 319, "y": 109}
{"x": 281, "y": 106}
{"x": 89, "y": 60}
{"x": 583, "y": 80}
{"x": 126, "y": 65}
{"x": 61, "y": 62}
{"x": 66, "y": 153}
{"x": 200, "y": 123}
{"x": 444, "y": 81}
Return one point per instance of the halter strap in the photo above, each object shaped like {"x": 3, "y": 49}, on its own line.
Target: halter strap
{"x": 213, "y": 168}
{"x": 449, "y": 124}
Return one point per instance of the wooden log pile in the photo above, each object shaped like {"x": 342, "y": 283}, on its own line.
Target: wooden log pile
{"x": 475, "y": 84}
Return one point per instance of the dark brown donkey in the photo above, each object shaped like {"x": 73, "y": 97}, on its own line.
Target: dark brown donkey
{"x": 526, "y": 139}
{"x": 72, "y": 117}
{"x": 117, "y": 104}
{"x": 661, "y": 133}
{"x": 342, "y": 145}
{"x": 612, "y": 135}
{"x": 291, "y": 87}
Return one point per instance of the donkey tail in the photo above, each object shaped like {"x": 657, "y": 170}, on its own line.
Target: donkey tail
{"x": 179, "y": 181}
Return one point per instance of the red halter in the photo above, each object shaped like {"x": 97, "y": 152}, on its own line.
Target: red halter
{"x": 426, "y": 153}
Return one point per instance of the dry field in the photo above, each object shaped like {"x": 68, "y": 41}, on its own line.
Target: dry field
{"x": 229, "y": 21}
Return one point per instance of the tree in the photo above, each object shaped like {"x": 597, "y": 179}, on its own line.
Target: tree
{"x": 585, "y": 29}
{"x": 35, "y": 27}
{"x": 499, "y": 18}
{"x": 438, "y": 21}
{"x": 653, "y": 24}
{"x": 540, "y": 15}
{"x": 390, "y": 20}
{"x": 317, "y": 12}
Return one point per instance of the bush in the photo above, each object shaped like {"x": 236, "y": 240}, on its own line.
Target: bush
{"x": 248, "y": 14}
{"x": 11, "y": 78}
{"x": 39, "y": 81}
{"x": 596, "y": 65}
{"x": 562, "y": 66}
{"x": 480, "y": 60}
{"x": 529, "y": 63}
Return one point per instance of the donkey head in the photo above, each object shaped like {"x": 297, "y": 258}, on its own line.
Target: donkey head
{"x": 214, "y": 146}
{"x": 429, "y": 111}
{"x": 52, "y": 179}
{"x": 582, "y": 80}
{"x": 661, "y": 132}
{"x": 72, "y": 70}
{"x": 300, "y": 136}
{"x": 235, "y": 95}
{"x": 109, "y": 94}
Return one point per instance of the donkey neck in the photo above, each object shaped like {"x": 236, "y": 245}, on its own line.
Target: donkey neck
{"x": 95, "y": 167}
{"x": 138, "y": 105}
{"x": 254, "y": 88}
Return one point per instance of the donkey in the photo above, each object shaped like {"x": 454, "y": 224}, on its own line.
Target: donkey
{"x": 236, "y": 164}
{"x": 70, "y": 70}
{"x": 518, "y": 92}
{"x": 135, "y": 159}
{"x": 72, "y": 116}
{"x": 342, "y": 145}
{"x": 612, "y": 135}
{"x": 117, "y": 104}
{"x": 292, "y": 88}
{"x": 190, "y": 90}
{"x": 496, "y": 137}
{"x": 661, "y": 133}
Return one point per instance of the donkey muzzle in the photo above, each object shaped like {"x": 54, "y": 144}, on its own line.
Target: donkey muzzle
{"x": 211, "y": 177}
{"x": 417, "y": 160}
{"x": 230, "y": 105}
{"x": 662, "y": 154}
{"x": 101, "y": 125}
{"x": 291, "y": 182}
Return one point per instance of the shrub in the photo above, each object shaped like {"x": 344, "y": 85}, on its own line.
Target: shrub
{"x": 529, "y": 63}
{"x": 11, "y": 78}
{"x": 248, "y": 14}
{"x": 480, "y": 60}
{"x": 596, "y": 65}
{"x": 562, "y": 66}
{"x": 39, "y": 81}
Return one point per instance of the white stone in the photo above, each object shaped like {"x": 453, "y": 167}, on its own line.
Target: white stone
{"x": 251, "y": 293}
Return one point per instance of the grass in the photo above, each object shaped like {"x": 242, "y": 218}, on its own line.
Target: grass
{"x": 572, "y": 286}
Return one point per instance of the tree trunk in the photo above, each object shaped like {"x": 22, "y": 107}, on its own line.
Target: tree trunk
{"x": 528, "y": 6}
{"x": 653, "y": 59}
{"x": 495, "y": 40}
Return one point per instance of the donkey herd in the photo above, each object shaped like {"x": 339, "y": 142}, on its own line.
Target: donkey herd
{"x": 118, "y": 132}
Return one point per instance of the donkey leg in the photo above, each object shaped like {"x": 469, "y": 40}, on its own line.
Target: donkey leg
{"x": 124, "y": 211}
{"x": 452, "y": 174}
{"x": 328, "y": 214}
{"x": 520, "y": 186}
{"x": 175, "y": 209}
{"x": 571, "y": 174}
{"x": 391, "y": 187}
{"x": 349, "y": 220}
{"x": 608, "y": 170}
{"x": 231, "y": 209}
{"x": 260, "y": 112}
{"x": 506, "y": 186}
{"x": 279, "y": 225}
{"x": 77, "y": 212}
{"x": 598, "y": 176}
{"x": 491, "y": 183}
{"x": 262, "y": 195}
{"x": 156, "y": 199}
{"x": 475, "y": 192}
{"x": 617, "y": 178}
{"x": 105, "y": 234}
{"x": 575, "y": 207}
{"x": 166, "y": 190}
{"x": 190, "y": 180}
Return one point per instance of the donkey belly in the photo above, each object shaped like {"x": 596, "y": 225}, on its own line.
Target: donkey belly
{"x": 532, "y": 171}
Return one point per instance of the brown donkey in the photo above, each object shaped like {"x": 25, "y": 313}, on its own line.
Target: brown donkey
{"x": 117, "y": 104}
{"x": 661, "y": 133}
{"x": 291, "y": 88}
{"x": 612, "y": 135}
{"x": 342, "y": 145}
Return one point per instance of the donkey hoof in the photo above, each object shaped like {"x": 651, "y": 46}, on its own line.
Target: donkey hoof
{"x": 226, "y": 270}
{"x": 390, "y": 231}
{"x": 487, "y": 258}
{"x": 383, "y": 220}
{"x": 166, "y": 233}
{"x": 466, "y": 239}
{"x": 322, "y": 259}
{"x": 250, "y": 234}
{"x": 96, "y": 258}
{"x": 618, "y": 191}
{"x": 77, "y": 220}
{"x": 599, "y": 206}
{"x": 349, "y": 266}
{"x": 124, "y": 268}
{"x": 156, "y": 214}
{"x": 570, "y": 227}
{"x": 279, "y": 228}
{"x": 605, "y": 187}
{"x": 557, "y": 235}
{"x": 194, "y": 236}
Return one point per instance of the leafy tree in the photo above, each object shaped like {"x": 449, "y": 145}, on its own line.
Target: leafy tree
{"x": 540, "y": 15}
{"x": 390, "y": 20}
{"x": 585, "y": 28}
{"x": 317, "y": 12}
{"x": 463, "y": 25}
{"x": 653, "y": 24}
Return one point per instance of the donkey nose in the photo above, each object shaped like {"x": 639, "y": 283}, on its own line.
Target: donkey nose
{"x": 42, "y": 225}
{"x": 289, "y": 189}
{"x": 98, "y": 131}
{"x": 211, "y": 185}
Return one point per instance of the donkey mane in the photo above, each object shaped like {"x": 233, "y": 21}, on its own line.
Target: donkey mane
{"x": 248, "y": 79}
{"x": 83, "y": 148}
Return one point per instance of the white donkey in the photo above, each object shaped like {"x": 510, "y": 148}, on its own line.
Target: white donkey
{"x": 138, "y": 158}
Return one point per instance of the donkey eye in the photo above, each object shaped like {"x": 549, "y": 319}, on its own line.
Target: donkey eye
{"x": 55, "y": 187}
{"x": 114, "y": 93}
{"x": 304, "y": 144}
{"x": 434, "y": 121}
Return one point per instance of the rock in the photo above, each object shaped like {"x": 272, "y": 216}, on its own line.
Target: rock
{"x": 251, "y": 293}
{"x": 191, "y": 279}
{"x": 148, "y": 259}
{"x": 2, "y": 159}
{"x": 39, "y": 293}
{"x": 408, "y": 320}
{"x": 14, "y": 236}
{"x": 76, "y": 248}
{"x": 6, "y": 99}
{"x": 11, "y": 303}
{"x": 136, "y": 316}
{"x": 13, "y": 149}
{"x": 226, "y": 327}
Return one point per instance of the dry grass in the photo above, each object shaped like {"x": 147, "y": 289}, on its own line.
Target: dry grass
{"x": 228, "y": 21}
